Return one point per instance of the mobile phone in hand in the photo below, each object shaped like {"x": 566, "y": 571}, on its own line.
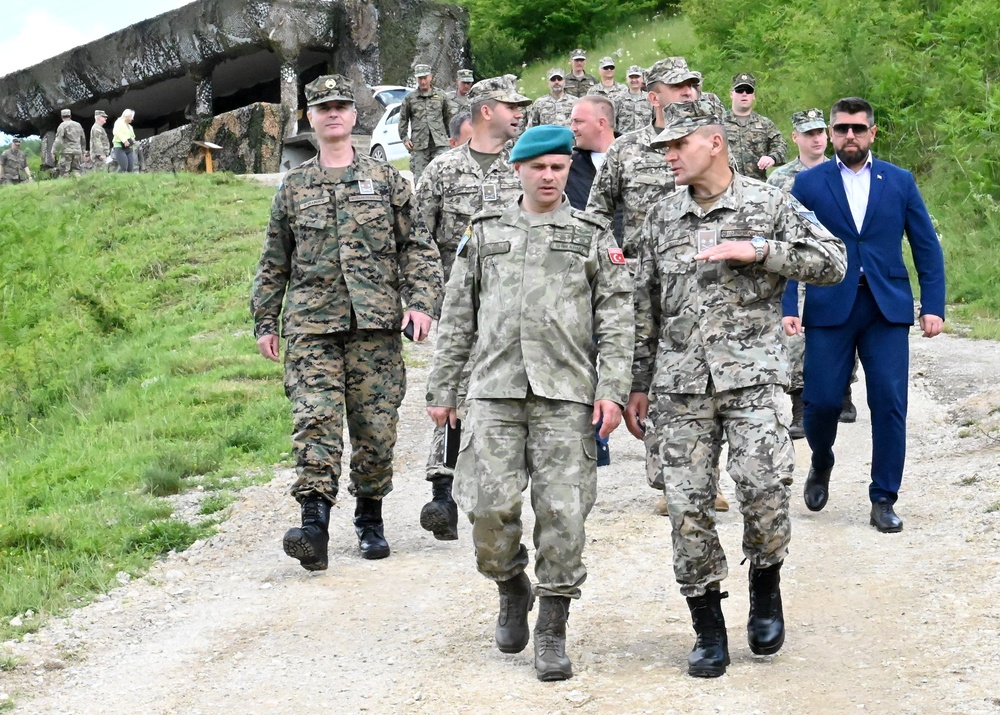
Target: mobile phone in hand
{"x": 408, "y": 331}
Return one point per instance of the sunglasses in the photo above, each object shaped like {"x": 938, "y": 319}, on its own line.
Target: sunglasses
{"x": 744, "y": 90}
{"x": 841, "y": 129}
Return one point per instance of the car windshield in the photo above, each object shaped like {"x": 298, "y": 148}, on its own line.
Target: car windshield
{"x": 391, "y": 96}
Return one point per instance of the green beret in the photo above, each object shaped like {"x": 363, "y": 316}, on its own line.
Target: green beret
{"x": 541, "y": 140}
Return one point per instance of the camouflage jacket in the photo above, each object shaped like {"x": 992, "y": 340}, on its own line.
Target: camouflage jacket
{"x": 549, "y": 110}
{"x": 343, "y": 252}
{"x": 424, "y": 117}
{"x": 100, "y": 145}
{"x": 452, "y": 188}
{"x": 698, "y": 321}
{"x": 527, "y": 297}
{"x": 632, "y": 112}
{"x": 750, "y": 138}
{"x": 579, "y": 86}
{"x": 457, "y": 104}
{"x": 70, "y": 138}
{"x": 609, "y": 92}
{"x": 13, "y": 165}
{"x": 634, "y": 176}
{"x": 784, "y": 176}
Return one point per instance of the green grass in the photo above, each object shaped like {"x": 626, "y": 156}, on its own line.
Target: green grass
{"x": 129, "y": 371}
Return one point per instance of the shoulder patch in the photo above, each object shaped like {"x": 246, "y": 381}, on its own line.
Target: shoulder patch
{"x": 591, "y": 218}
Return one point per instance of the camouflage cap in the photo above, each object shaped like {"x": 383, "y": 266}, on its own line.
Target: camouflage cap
{"x": 744, "y": 78}
{"x": 502, "y": 89}
{"x": 329, "y": 88}
{"x": 15, "y": 140}
{"x": 65, "y": 113}
{"x": 100, "y": 113}
{"x": 421, "y": 70}
{"x": 808, "y": 120}
{"x": 635, "y": 71}
{"x": 465, "y": 76}
{"x": 578, "y": 54}
{"x": 683, "y": 118}
{"x": 607, "y": 62}
{"x": 555, "y": 72}
{"x": 671, "y": 70}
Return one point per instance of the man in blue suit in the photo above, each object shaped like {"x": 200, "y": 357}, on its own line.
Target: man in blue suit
{"x": 869, "y": 204}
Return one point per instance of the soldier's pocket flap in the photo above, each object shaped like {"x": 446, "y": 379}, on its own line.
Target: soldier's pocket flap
{"x": 312, "y": 222}
{"x": 665, "y": 244}
{"x": 649, "y": 179}
{"x": 582, "y": 249}
{"x": 491, "y": 249}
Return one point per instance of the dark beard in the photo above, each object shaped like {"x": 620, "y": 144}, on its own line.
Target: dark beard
{"x": 852, "y": 157}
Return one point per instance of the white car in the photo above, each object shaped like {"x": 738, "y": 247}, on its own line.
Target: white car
{"x": 386, "y": 94}
{"x": 386, "y": 144}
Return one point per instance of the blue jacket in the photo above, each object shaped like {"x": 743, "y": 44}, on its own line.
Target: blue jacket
{"x": 894, "y": 207}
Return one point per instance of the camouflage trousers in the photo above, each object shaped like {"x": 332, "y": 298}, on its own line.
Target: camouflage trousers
{"x": 70, "y": 163}
{"x": 691, "y": 431}
{"x": 360, "y": 373}
{"x": 507, "y": 445}
{"x": 420, "y": 158}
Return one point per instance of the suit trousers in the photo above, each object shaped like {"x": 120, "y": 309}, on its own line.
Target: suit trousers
{"x": 884, "y": 351}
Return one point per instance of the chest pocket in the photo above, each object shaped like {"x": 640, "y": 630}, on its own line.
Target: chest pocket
{"x": 461, "y": 202}
{"x": 311, "y": 227}
{"x": 568, "y": 239}
{"x": 675, "y": 255}
{"x": 372, "y": 214}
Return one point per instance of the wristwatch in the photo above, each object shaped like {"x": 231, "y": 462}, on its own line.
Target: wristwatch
{"x": 758, "y": 243}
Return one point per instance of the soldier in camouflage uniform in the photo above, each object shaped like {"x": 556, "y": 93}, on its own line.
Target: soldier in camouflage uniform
{"x": 70, "y": 144}
{"x": 635, "y": 176}
{"x": 456, "y": 185}
{"x": 343, "y": 255}
{"x": 709, "y": 367}
{"x": 755, "y": 143}
{"x": 100, "y": 145}
{"x": 632, "y": 108}
{"x": 532, "y": 286}
{"x": 607, "y": 87}
{"x": 423, "y": 122}
{"x": 14, "y": 164}
{"x": 556, "y": 106}
{"x": 579, "y": 81}
{"x": 458, "y": 98}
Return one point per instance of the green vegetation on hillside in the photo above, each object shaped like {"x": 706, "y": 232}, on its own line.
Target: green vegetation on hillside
{"x": 129, "y": 371}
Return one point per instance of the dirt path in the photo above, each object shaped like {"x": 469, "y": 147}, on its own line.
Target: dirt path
{"x": 905, "y": 623}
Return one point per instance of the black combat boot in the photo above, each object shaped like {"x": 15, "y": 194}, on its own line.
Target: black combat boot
{"x": 796, "y": 430}
{"x": 848, "y": 412}
{"x": 516, "y": 599}
{"x": 368, "y": 524}
{"x": 440, "y": 515}
{"x": 766, "y": 624}
{"x": 308, "y": 542}
{"x": 710, "y": 655}
{"x": 551, "y": 662}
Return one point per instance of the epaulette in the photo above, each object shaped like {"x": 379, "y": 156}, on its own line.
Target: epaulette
{"x": 485, "y": 214}
{"x": 593, "y": 218}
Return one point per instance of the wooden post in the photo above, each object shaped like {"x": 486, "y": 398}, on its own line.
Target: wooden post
{"x": 207, "y": 148}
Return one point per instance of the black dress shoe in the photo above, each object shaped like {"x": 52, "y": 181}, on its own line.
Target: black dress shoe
{"x": 884, "y": 518}
{"x": 817, "y": 488}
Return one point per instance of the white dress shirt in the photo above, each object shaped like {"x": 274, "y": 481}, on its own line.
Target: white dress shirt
{"x": 857, "y": 186}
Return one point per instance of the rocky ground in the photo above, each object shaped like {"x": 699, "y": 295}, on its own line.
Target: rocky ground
{"x": 900, "y": 623}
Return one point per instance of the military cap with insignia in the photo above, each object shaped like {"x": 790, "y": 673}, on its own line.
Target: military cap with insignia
{"x": 808, "y": 120}
{"x": 683, "y": 118}
{"x": 555, "y": 72}
{"x": 578, "y": 54}
{"x": 744, "y": 78}
{"x": 541, "y": 140}
{"x": 465, "y": 76}
{"x": 607, "y": 63}
{"x": 502, "y": 89}
{"x": 421, "y": 70}
{"x": 329, "y": 88}
{"x": 100, "y": 113}
{"x": 671, "y": 70}
{"x": 635, "y": 71}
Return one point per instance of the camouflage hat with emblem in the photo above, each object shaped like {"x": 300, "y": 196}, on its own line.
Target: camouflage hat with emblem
{"x": 65, "y": 113}
{"x": 100, "y": 113}
{"x": 465, "y": 76}
{"x": 744, "y": 78}
{"x": 683, "y": 118}
{"x": 555, "y": 72}
{"x": 607, "y": 62}
{"x": 808, "y": 120}
{"x": 671, "y": 70}
{"x": 501, "y": 89}
{"x": 635, "y": 71}
{"x": 578, "y": 54}
{"x": 421, "y": 70}
{"x": 329, "y": 88}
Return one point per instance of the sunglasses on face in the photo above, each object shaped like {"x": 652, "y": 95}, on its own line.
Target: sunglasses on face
{"x": 841, "y": 129}
{"x": 744, "y": 90}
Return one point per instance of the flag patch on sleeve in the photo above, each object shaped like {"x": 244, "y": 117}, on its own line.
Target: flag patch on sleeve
{"x": 617, "y": 256}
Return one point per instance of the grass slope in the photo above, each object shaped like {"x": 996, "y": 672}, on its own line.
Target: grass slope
{"x": 129, "y": 371}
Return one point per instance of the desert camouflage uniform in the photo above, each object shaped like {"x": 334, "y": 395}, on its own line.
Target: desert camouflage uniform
{"x": 549, "y": 110}
{"x": 70, "y": 144}
{"x": 424, "y": 118}
{"x": 632, "y": 112}
{"x": 750, "y": 138}
{"x": 100, "y": 145}
{"x": 343, "y": 255}
{"x": 526, "y": 297}
{"x": 579, "y": 86}
{"x": 709, "y": 353}
{"x": 13, "y": 166}
{"x": 610, "y": 92}
{"x": 452, "y": 189}
{"x": 457, "y": 103}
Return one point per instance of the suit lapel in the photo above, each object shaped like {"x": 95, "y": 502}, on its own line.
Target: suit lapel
{"x": 879, "y": 177}
{"x": 840, "y": 196}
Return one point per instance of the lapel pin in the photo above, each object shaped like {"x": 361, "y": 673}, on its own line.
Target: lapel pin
{"x": 878, "y": 176}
